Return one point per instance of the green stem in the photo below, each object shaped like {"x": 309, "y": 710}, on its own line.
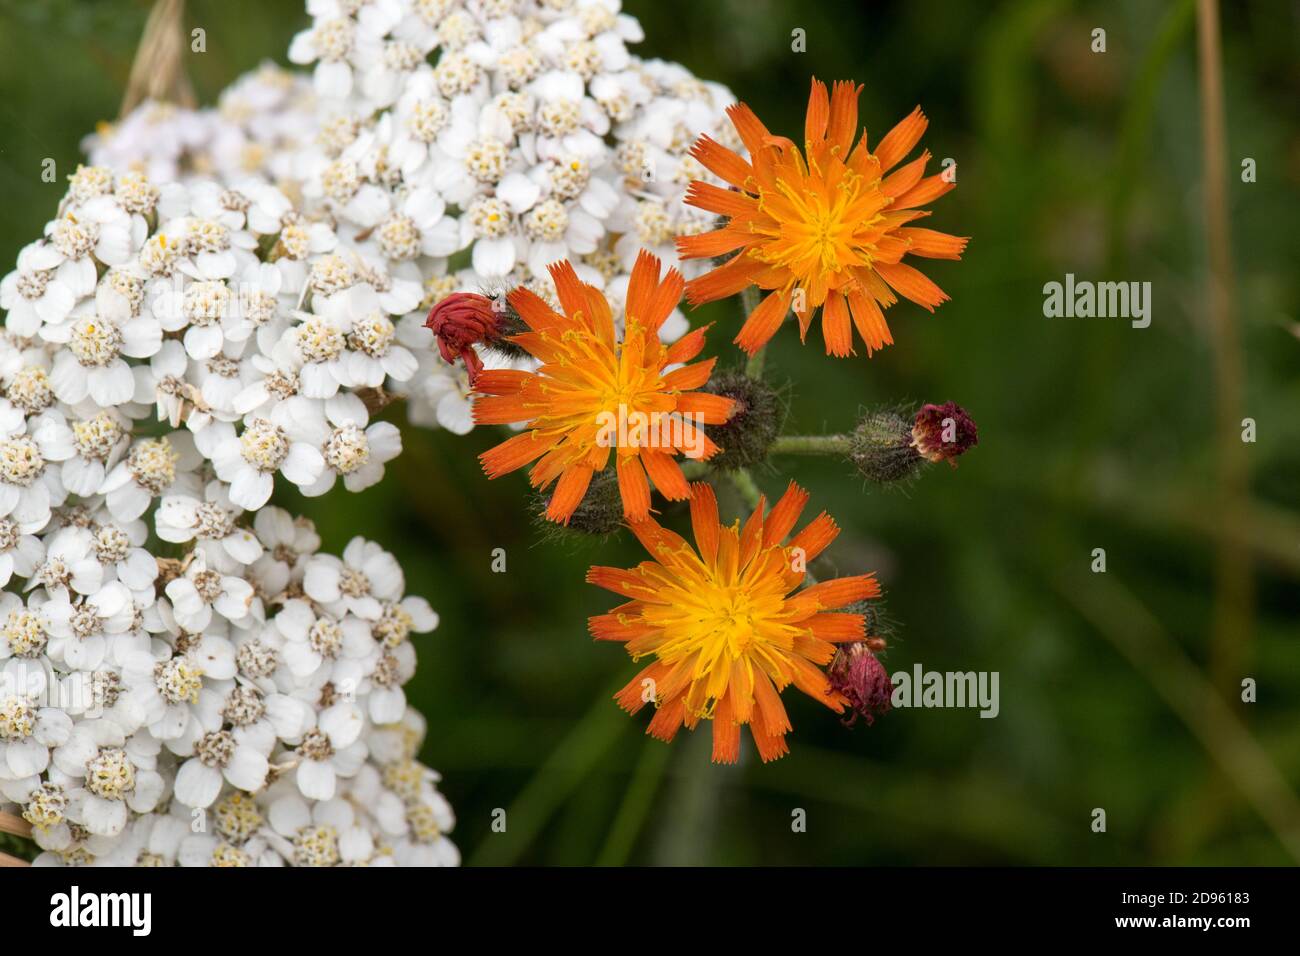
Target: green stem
{"x": 811, "y": 445}
{"x": 744, "y": 483}
{"x": 749, "y": 300}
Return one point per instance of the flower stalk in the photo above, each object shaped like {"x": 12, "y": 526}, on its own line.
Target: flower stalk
{"x": 835, "y": 445}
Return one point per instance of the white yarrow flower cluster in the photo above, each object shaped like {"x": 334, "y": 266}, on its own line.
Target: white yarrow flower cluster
{"x": 170, "y": 350}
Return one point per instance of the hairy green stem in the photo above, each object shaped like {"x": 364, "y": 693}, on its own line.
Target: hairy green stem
{"x": 749, "y": 300}
{"x": 744, "y": 483}
{"x": 811, "y": 445}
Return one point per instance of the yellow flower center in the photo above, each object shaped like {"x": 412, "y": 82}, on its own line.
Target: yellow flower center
{"x": 592, "y": 389}
{"x": 722, "y": 615}
{"x": 817, "y": 227}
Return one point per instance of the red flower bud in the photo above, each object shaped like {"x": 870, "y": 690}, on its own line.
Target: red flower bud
{"x": 942, "y": 432}
{"x": 461, "y": 321}
{"x": 858, "y": 675}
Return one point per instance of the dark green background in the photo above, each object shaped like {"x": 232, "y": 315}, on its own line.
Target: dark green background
{"x": 1092, "y": 434}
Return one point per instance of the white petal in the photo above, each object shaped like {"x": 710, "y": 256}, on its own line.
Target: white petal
{"x": 247, "y": 769}
{"x": 343, "y": 724}
{"x": 303, "y": 464}
{"x": 197, "y": 785}
{"x": 316, "y": 780}
{"x": 494, "y": 257}
{"x": 251, "y": 489}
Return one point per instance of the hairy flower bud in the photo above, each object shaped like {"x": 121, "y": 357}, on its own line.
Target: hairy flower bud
{"x": 599, "y": 513}
{"x": 881, "y": 447}
{"x": 889, "y": 445}
{"x": 747, "y": 435}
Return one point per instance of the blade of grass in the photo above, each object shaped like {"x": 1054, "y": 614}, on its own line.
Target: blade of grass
{"x": 636, "y": 804}
{"x": 1234, "y": 584}
{"x": 564, "y": 770}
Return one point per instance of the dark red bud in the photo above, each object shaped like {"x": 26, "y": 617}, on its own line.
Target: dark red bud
{"x": 860, "y": 678}
{"x": 943, "y": 432}
{"x": 461, "y": 321}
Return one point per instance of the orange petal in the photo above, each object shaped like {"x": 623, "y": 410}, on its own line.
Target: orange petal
{"x": 763, "y": 322}
{"x": 633, "y": 488}
{"x": 503, "y": 410}
{"x": 751, "y": 535}
{"x": 815, "y": 538}
{"x": 844, "y": 116}
{"x": 869, "y": 320}
{"x": 689, "y": 376}
{"x": 630, "y": 584}
{"x": 712, "y": 409}
{"x": 784, "y": 515}
{"x": 898, "y": 142}
{"x": 641, "y": 286}
{"x": 532, "y": 308}
{"x": 632, "y": 697}
{"x": 837, "y": 592}
{"x": 718, "y": 159}
{"x": 618, "y": 627}
{"x": 514, "y": 453}
{"x": 931, "y": 244}
{"x": 704, "y": 520}
{"x": 667, "y": 719}
{"x": 568, "y": 494}
{"x": 751, "y": 129}
{"x": 770, "y": 746}
{"x": 770, "y": 712}
{"x": 726, "y": 733}
{"x": 665, "y": 298}
{"x": 666, "y": 474}
{"x": 663, "y": 545}
{"x": 836, "y": 627}
{"x": 912, "y": 284}
{"x": 726, "y": 280}
{"x": 901, "y": 180}
{"x": 715, "y": 199}
{"x": 819, "y": 113}
{"x": 687, "y": 347}
{"x": 740, "y": 690}
{"x": 568, "y": 287}
{"x": 707, "y": 245}
{"x": 835, "y": 326}
{"x": 501, "y": 381}
{"x": 928, "y": 189}
{"x": 809, "y": 679}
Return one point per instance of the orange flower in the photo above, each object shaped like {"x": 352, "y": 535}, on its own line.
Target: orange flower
{"x": 828, "y": 231}
{"x": 726, "y": 630}
{"x": 593, "y": 394}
